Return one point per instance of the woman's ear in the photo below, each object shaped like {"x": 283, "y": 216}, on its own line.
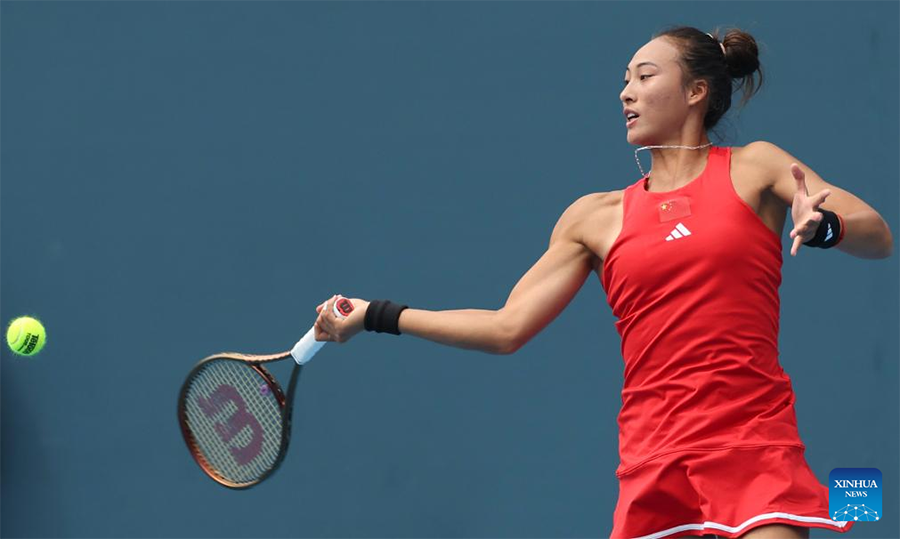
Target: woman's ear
{"x": 698, "y": 90}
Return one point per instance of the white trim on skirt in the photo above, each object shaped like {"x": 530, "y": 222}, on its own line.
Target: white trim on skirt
{"x": 736, "y": 529}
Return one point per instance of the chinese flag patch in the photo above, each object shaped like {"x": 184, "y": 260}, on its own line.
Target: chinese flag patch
{"x": 674, "y": 208}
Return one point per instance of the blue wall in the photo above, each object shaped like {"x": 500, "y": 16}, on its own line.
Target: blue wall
{"x": 185, "y": 178}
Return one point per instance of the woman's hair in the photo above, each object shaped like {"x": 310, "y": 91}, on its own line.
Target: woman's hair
{"x": 701, "y": 58}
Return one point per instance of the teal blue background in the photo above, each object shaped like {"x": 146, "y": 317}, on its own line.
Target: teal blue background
{"x": 179, "y": 179}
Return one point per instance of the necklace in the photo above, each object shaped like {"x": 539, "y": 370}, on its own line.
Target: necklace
{"x": 648, "y": 147}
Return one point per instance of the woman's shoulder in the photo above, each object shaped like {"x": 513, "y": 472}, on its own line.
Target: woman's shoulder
{"x": 599, "y": 214}
{"x": 756, "y": 153}
{"x": 756, "y": 162}
{"x": 592, "y": 203}
{"x": 598, "y": 210}
{"x": 589, "y": 209}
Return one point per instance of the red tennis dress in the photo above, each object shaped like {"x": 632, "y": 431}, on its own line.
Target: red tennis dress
{"x": 708, "y": 439}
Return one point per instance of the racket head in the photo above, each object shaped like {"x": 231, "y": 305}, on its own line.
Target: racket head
{"x": 235, "y": 418}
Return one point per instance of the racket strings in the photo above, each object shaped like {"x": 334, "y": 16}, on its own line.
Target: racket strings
{"x": 247, "y": 383}
{"x": 235, "y": 420}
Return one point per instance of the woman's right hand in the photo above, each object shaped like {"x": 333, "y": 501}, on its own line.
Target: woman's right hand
{"x": 340, "y": 330}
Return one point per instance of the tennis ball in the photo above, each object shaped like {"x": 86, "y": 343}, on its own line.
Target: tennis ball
{"x": 26, "y": 336}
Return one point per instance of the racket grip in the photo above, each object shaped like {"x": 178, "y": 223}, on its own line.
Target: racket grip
{"x": 307, "y": 347}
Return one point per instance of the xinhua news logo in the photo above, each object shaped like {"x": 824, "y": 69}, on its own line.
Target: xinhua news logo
{"x": 854, "y": 494}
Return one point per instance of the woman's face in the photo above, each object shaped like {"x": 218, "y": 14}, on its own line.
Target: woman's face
{"x": 653, "y": 89}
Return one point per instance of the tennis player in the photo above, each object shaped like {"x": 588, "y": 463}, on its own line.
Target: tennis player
{"x": 690, "y": 259}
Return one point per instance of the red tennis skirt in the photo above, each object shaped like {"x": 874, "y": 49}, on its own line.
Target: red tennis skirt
{"x": 724, "y": 492}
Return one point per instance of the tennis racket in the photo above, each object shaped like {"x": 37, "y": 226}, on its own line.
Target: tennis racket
{"x": 234, "y": 416}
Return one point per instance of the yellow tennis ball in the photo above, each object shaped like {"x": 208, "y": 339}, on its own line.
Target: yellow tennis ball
{"x": 26, "y": 336}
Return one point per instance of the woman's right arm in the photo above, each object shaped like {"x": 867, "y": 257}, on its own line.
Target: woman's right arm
{"x": 538, "y": 298}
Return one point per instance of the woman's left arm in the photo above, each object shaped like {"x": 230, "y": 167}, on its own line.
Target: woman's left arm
{"x": 866, "y": 234}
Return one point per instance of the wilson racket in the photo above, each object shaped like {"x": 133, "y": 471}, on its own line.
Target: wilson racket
{"x": 234, "y": 416}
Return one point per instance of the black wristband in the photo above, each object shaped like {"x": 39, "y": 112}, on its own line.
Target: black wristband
{"x": 383, "y": 316}
{"x": 371, "y": 314}
{"x": 829, "y": 232}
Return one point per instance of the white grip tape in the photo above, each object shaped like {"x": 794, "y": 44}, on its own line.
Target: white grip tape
{"x": 307, "y": 346}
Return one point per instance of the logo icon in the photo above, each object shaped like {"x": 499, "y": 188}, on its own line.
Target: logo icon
{"x": 854, "y": 494}
{"x": 679, "y": 231}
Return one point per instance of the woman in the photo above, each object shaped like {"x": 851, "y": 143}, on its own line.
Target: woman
{"x": 690, "y": 259}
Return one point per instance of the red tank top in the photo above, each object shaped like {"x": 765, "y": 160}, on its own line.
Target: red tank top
{"x": 693, "y": 280}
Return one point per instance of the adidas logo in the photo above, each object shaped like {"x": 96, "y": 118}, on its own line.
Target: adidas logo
{"x": 828, "y": 236}
{"x": 679, "y": 231}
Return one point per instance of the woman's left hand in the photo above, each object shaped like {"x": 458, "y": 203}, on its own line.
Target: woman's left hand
{"x": 804, "y": 210}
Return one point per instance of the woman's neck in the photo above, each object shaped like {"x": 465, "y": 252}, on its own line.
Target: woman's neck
{"x": 676, "y": 167}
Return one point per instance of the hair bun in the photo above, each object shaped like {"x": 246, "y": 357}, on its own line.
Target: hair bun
{"x": 741, "y": 53}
